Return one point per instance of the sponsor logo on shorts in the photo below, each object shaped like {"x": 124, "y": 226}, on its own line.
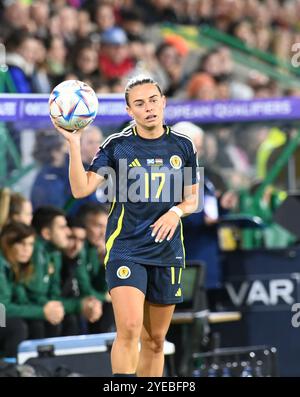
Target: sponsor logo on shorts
{"x": 178, "y": 293}
{"x": 123, "y": 272}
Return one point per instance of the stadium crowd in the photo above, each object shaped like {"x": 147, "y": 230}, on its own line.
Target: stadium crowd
{"x": 105, "y": 42}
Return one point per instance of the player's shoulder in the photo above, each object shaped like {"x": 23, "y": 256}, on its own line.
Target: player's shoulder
{"x": 117, "y": 137}
{"x": 182, "y": 139}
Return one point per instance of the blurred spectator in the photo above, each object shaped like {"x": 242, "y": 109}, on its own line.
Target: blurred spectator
{"x": 16, "y": 273}
{"x": 282, "y": 43}
{"x": 205, "y": 11}
{"x": 223, "y": 88}
{"x": 50, "y": 186}
{"x": 14, "y": 208}
{"x": 219, "y": 64}
{"x": 20, "y": 209}
{"x": 187, "y": 11}
{"x": 210, "y": 150}
{"x": 263, "y": 38}
{"x": 144, "y": 55}
{"x": 39, "y": 13}
{"x": 104, "y": 17}
{"x": 266, "y": 142}
{"x": 171, "y": 61}
{"x": 41, "y": 82}
{"x": 226, "y": 13}
{"x": 90, "y": 143}
{"x": 68, "y": 25}
{"x": 262, "y": 85}
{"x": 225, "y": 59}
{"x": 132, "y": 24}
{"x": 202, "y": 87}
{"x": 85, "y": 25}
{"x": 115, "y": 59}
{"x": 21, "y": 60}
{"x": 56, "y": 59}
{"x": 157, "y": 11}
{"x": 94, "y": 217}
{"x": 53, "y": 237}
{"x": 225, "y": 143}
{"x": 75, "y": 282}
{"x": 211, "y": 63}
{"x": 86, "y": 61}
{"x": 16, "y": 15}
{"x": 243, "y": 30}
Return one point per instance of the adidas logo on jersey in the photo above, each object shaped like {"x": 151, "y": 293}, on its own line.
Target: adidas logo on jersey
{"x": 135, "y": 163}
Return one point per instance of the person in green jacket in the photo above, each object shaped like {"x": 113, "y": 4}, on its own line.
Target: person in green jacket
{"x": 53, "y": 236}
{"x": 94, "y": 217}
{"x": 16, "y": 271}
{"x": 75, "y": 280}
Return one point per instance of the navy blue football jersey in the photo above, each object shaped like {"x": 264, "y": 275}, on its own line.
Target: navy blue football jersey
{"x": 148, "y": 179}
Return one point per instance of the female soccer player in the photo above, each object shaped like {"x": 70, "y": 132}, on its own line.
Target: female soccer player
{"x": 144, "y": 241}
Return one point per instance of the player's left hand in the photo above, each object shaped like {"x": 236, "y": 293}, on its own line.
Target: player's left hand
{"x": 165, "y": 226}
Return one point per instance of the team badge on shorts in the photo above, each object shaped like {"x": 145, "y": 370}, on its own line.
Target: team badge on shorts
{"x": 123, "y": 272}
{"x": 175, "y": 162}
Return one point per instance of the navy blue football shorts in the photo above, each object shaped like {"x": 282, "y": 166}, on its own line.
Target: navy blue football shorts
{"x": 159, "y": 284}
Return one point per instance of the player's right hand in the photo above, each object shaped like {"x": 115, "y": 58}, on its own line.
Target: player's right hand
{"x": 69, "y": 135}
{"x": 165, "y": 226}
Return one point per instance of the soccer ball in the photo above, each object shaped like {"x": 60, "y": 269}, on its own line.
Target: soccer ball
{"x": 73, "y": 105}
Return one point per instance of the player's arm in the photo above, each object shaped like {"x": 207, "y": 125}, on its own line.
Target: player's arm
{"x": 166, "y": 225}
{"x": 191, "y": 200}
{"x": 82, "y": 183}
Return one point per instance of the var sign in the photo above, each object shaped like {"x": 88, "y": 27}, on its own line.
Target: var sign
{"x": 271, "y": 293}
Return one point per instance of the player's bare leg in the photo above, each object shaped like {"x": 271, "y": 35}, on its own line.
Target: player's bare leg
{"x": 157, "y": 320}
{"x": 128, "y": 305}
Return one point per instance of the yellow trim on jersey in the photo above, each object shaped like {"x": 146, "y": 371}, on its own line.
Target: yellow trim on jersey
{"x": 182, "y": 242}
{"x": 172, "y": 275}
{"x": 113, "y": 236}
{"x": 134, "y": 130}
{"x": 112, "y": 207}
{"x": 168, "y": 130}
{"x": 179, "y": 277}
{"x": 138, "y": 163}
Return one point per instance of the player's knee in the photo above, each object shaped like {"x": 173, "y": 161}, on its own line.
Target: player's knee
{"x": 155, "y": 342}
{"x": 131, "y": 329}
